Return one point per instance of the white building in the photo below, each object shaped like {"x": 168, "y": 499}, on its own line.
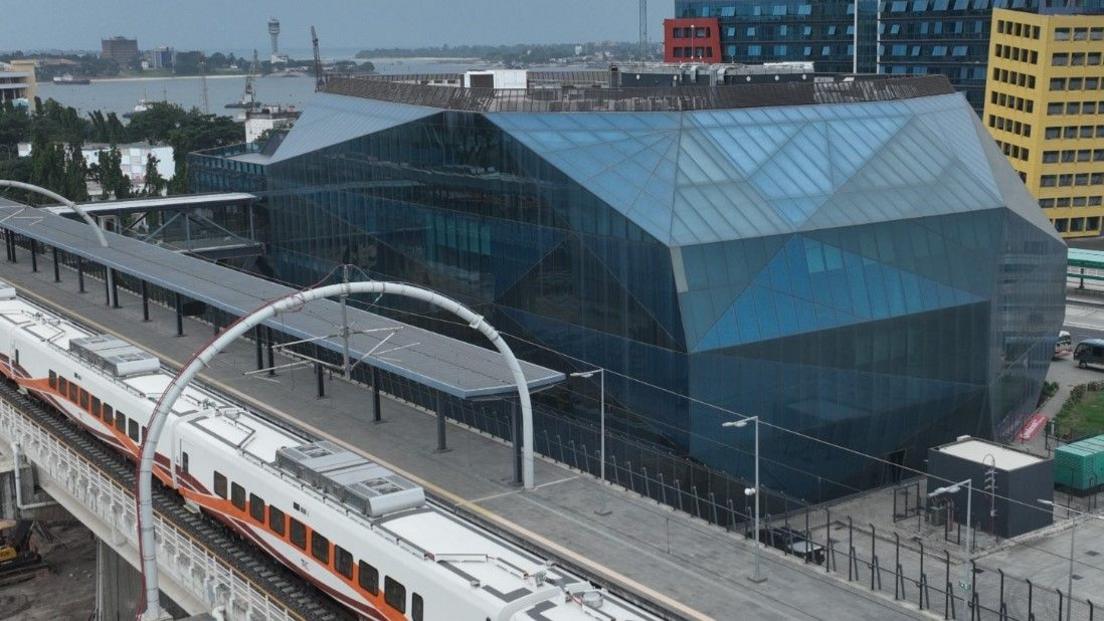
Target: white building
{"x": 133, "y": 158}
{"x": 257, "y": 122}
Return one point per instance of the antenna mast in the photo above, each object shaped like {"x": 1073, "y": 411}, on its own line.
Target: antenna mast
{"x": 203, "y": 81}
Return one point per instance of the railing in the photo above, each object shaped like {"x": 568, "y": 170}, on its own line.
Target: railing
{"x": 635, "y": 99}
{"x": 184, "y": 560}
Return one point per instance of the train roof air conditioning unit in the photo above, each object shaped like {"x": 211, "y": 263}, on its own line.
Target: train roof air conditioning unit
{"x": 352, "y": 479}
{"x": 114, "y": 355}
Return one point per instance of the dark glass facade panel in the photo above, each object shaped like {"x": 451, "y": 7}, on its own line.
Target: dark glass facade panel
{"x": 861, "y": 274}
{"x": 918, "y": 37}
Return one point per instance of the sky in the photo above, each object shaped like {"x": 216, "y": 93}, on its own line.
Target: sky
{"x": 213, "y": 25}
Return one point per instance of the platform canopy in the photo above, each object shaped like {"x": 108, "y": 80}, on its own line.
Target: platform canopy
{"x": 452, "y": 366}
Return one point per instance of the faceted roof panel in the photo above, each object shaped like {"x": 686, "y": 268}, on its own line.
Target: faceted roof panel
{"x": 332, "y": 119}
{"x": 715, "y": 175}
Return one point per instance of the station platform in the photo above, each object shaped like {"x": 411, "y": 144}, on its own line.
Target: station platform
{"x": 696, "y": 569}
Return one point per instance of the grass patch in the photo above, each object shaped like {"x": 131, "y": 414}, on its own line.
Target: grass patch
{"x": 1082, "y": 415}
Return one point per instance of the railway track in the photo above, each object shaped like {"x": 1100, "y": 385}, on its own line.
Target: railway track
{"x": 302, "y": 599}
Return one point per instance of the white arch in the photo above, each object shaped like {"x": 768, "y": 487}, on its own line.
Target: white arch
{"x": 19, "y": 185}
{"x": 147, "y": 545}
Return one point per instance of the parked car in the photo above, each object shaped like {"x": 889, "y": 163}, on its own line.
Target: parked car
{"x": 1089, "y": 351}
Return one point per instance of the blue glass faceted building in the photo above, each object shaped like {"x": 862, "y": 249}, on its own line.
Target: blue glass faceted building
{"x": 853, "y": 261}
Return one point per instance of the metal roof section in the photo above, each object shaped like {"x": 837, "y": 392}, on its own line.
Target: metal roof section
{"x": 980, "y": 451}
{"x": 1080, "y": 257}
{"x": 147, "y": 204}
{"x": 332, "y": 119}
{"x": 452, "y": 366}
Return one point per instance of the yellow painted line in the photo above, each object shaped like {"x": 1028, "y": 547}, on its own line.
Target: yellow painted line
{"x": 604, "y": 572}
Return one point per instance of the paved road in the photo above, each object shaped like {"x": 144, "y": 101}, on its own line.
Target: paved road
{"x": 633, "y": 541}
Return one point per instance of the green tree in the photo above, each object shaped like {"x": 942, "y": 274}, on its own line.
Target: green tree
{"x": 155, "y": 183}
{"x": 48, "y": 164}
{"x": 76, "y": 174}
{"x": 108, "y": 172}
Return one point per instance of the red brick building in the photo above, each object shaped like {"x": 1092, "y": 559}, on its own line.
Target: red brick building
{"x": 691, "y": 39}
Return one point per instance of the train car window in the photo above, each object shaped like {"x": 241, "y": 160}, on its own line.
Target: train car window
{"x": 83, "y": 399}
{"x": 120, "y": 422}
{"x": 184, "y": 462}
{"x": 237, "y": 496}
{"x": 368, "y": 578}
{"x": 108, "y": 414}
{"x": 343, "y": 562}
{"x": 416, "y": 607}
{"x": 96, "y": 407}
{"x": 73, "y": 391}
{"x": 53, "y": 380}
{"x": 276, "y": 521}
{"x": 298, "y": 533}
{"x": 394, "y": 593}
{"x": 63, "y": 386}
{"x": 133, "y": 431}
{"x": 320, "y": 547}
{"x": 220, "y": 485}
{"x": 256, "y": 508}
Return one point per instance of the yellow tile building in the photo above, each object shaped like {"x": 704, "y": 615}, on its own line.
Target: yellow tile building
{"x": 1044, "y": 105}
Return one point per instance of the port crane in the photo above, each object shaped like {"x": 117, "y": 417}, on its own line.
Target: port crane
{"x": 319, "y": 77}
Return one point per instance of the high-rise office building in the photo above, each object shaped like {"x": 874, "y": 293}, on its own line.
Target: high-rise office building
{"x": 901, "y": 37}
{"x": 1045, "y": 108}
{"x": 122, "y": 50}
{"x": 162, "y": 57}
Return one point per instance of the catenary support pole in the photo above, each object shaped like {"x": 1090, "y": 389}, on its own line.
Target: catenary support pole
{"x": 80, "y": 274}
{"x": 145, "y": 301}
{"x": 441, "y": 444}
{"x": 57, "y": 267}
{"x": 377, "y": 412}
{"x": 271, "y": 352}
{"x": 114, "y": 287}
{"x": 258, "y": 338}
{"x": 151, "y": 607}
{"x": 179, "y": 303}
{"x": 34, "y": 255}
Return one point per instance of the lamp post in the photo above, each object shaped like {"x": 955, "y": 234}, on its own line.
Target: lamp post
{"x": 601, "y": 414}
{"x": 739, "y": 424}
{"x": 954, "y": 488}
{"x": 1073, "y": 533}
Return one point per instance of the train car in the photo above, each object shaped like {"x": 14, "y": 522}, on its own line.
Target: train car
{"x": 360, "y": 532}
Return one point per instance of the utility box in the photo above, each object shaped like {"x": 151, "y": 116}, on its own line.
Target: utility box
{"x": 1020, "y": 477}
{"x": 1079, "y": 467}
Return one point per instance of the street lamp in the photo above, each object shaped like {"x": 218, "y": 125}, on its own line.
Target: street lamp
{"x": 1073, "y": 533}
{"x": 601, "y": 415}
{"x": 954, "y": 488}
{"x": 740, "y": 424}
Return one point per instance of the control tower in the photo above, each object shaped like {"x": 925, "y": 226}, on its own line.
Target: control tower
{"x": 274, "y": 32}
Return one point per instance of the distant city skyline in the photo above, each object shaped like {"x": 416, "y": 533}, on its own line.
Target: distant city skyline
{"x": 362, "y": 24}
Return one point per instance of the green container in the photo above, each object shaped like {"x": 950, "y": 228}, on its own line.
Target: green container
{"x": 1080, "y": 466}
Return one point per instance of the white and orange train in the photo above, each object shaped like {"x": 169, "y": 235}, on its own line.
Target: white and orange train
{"x": 360, "y": 532}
